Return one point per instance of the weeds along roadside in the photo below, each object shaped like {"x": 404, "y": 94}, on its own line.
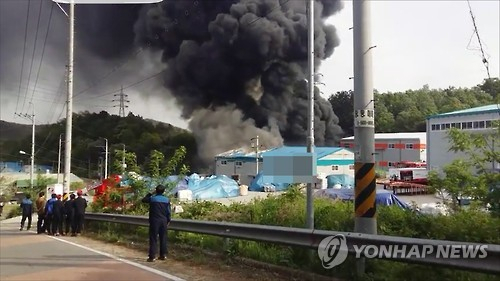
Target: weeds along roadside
{"x": 288, "y": 210}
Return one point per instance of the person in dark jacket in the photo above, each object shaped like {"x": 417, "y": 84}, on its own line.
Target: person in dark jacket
{"x": 68, "y": 214}
{"x": 79, "y": 206}
{"x": 49, "y": 213}
{"x": 159, "y": 219}
{"x": 27, "y": 211}
{"x": 57, "y": 216}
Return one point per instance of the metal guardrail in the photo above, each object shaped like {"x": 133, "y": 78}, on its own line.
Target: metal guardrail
{"x": 300, "y": 237}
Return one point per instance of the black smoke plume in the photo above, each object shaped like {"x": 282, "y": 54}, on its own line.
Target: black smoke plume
{"x": 242, "y": 62}
{"x": 235, "y": 67}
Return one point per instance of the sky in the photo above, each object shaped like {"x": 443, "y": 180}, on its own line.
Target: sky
{"x": 417, "y": 43}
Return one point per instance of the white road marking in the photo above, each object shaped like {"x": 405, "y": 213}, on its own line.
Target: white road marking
{"x": 138, "y": 265}
{"x": 135, "y": 264}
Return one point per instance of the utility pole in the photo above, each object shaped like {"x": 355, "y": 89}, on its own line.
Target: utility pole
{"x": 364, "y": 125}
{"x": 310, "y": 109}
{"x": 106, "y": 160}
{"x": 32, "y": 155}
{"x": 59, "y": 158}
{"x": 124, "y": 165}
{"x": 122, "y": 101}
{"x": 69, "y": 105}
{"x": 256, "y": 146}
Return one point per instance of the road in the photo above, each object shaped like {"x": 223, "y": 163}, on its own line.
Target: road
{"x": 24, "y": 255}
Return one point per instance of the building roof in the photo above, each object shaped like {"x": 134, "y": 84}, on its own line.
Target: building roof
{"x": 492, "y": 108}
{"x": 244, "y": 152}
{"x": 392, "y": 136}
{"x": 277, "y": 151}
{"x": 290, "y": 150}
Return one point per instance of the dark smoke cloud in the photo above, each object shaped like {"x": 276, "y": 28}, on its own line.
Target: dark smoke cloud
{"x": 215, "y": 49}
{"x": 235, "y": 67}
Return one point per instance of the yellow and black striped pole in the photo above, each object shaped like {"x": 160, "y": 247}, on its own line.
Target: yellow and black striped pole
{"x": 365, "y": 190}
{"x": 364, "y": 125}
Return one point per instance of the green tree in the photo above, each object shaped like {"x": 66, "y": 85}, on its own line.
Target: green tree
{"x": 476, "y": 174}
{"x": 130, "y": 162}
{"x": 155, "y": 162}
{"x": 175, "y": 164}
{"x": 343, "y": 106}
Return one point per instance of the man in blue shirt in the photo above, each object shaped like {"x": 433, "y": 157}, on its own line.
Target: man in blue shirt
{"x": 27, "y": 211}
{"x": 49, "y": 213}
{"x": 159, "y": 219}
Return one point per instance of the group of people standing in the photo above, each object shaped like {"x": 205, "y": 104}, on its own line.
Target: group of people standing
{"x": 55, "y": 216}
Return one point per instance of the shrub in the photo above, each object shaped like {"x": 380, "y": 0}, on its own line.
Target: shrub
{"x": 289, "y": 210}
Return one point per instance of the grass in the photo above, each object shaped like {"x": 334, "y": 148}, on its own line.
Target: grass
{"x": 288, "y": 210}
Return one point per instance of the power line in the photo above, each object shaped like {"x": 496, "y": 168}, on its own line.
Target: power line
{"x": 24, "y": 54}
{"x": 33, "y": 54}
{"x": 113, "y": 70}
{"x": 43, "y": 50}
{"x": 128, "y": 86}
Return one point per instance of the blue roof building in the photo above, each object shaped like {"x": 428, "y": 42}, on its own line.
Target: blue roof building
{"x": 242, "y": 162}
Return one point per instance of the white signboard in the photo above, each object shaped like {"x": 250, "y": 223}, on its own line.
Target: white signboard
{"x": 364, "y": 118}
{"x": 56, "y": 188}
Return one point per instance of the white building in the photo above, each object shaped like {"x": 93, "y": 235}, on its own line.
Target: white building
{"x": 238, "y": 162}
{"x": 241, "y": 162}
{"x": 393, "y": 148}
{"x": 478, "y": 119}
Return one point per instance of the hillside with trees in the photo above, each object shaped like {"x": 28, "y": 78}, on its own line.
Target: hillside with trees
{"x": 89, "y": 131}
{"x": 395, "y": 112}
{"x": 407, "y": 111}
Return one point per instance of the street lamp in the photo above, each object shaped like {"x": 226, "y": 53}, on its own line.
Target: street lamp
{"x": 31, "y": 166}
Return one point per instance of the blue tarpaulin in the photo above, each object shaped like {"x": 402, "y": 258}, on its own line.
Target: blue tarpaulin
{"x": 343, "y": 180}
{"x": 384, "y": 197}
{"x": 258, "y": 184}
{"x": 212, "y": 187}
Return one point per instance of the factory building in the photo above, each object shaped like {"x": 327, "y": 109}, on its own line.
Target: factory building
{"x": 395, "y": 149}
{"x": 477, "y": 120}
{"x": 242, "y": 162}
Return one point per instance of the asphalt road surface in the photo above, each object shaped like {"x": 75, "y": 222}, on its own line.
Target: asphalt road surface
{"x": 24, "y": 255}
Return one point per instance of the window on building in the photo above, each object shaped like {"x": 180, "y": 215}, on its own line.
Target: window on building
{"x": 448, "y": 125}
{"x": 488, "y": 124}
{"x": 481, "y": 124}
{"x": 443, "y": 127}
{"x": 464, "y": 125}
{"x": 475, "y": 125}
{"x": 335, "y": 168}
{"x": 433, "y": 127}
{"x": 223, "y": 162}
{"x": 351, "y": 167}
{"x": 391, "y": 145}
{"x": 409, "y": 146}
{"x": 469, "y": 125}
{"x": 239, "y": 163}
{"x": 453, "y": 125}
{"x": 390, "y": 164}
